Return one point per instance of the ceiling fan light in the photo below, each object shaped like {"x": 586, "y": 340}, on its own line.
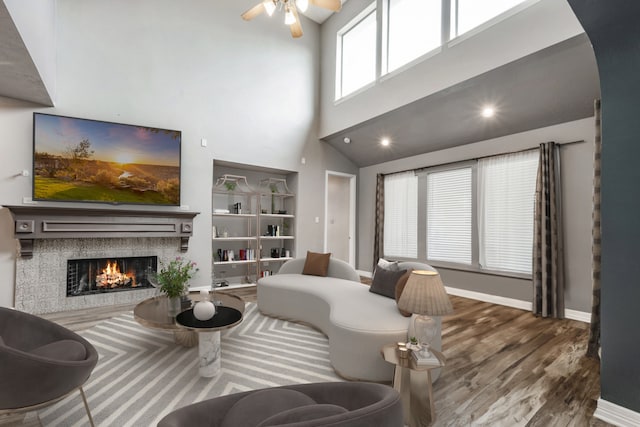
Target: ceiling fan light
{"x": 269, "y": 7}
{"x": 289, "y": 18}
{"x": 302, "y": 5}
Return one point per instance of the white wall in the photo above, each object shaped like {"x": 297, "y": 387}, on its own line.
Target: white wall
{"x": 543, "y": 24}
{"x": 577, "y": 186}
{"x": 247, "y": 87}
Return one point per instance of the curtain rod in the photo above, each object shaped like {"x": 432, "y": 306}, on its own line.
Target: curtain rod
{"x": 418, "y": 169}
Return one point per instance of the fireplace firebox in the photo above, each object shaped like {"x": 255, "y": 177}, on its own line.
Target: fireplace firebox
{"x": 99, "y": 275}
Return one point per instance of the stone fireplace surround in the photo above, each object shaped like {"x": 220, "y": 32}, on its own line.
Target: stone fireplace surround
{"x": 49, "y": 236}
{"x": 41, "y": 281}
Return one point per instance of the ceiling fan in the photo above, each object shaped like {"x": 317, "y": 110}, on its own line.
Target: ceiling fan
{"x": 290, "y": 8}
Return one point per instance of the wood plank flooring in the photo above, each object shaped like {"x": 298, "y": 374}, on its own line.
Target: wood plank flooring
{"x": 505, "y": 367}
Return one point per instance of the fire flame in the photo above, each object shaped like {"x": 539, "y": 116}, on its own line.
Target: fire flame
{"x": 111, "y": 277}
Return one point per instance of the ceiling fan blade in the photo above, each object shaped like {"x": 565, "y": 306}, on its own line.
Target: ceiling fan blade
{"x": 253, "y": 12}
{"x": 334, "y": 5}
{"x": 296, "y": 27}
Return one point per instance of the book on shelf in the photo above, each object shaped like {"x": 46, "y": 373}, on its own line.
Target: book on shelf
{"x": 425, "y": 359}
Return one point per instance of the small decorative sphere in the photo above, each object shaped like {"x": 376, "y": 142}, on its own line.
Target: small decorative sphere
{"x": 204, "y": 310}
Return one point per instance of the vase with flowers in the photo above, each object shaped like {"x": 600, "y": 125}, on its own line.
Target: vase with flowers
{"x": 173, "y": 278}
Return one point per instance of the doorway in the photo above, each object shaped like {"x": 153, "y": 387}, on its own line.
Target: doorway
{"x": 340, "y": 216}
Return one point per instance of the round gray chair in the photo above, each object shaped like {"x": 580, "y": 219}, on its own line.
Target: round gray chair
{"x": 353, "y": 404}
{"x": 41, "y": 362}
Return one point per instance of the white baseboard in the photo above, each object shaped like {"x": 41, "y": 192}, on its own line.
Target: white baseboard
{"x": 581, "y": 316}
{"x": 616, "y": 414}
{"x": 493, "y": 299}
{"x": 365, "y": 273}
{"x": 515, "y": 303}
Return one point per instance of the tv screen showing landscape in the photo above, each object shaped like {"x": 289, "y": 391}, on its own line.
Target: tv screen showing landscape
{"x": 84, "y": 160}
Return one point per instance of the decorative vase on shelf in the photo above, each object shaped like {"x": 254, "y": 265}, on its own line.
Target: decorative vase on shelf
{"x": 174, "y": 305}
{"x": 204, "y": 309}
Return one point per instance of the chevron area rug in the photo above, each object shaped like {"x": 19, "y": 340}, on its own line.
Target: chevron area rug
{"x": 142, "y": 375}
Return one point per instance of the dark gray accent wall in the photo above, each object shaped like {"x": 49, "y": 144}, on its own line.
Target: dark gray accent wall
{"x": 612, "y": 27}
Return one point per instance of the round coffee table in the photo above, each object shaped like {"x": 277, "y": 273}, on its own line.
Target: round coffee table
{"x": 153, "y": 313}
{"x": 209, "y": 335}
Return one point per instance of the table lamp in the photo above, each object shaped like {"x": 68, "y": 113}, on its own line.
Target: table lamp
{"x": 424, "y": 295}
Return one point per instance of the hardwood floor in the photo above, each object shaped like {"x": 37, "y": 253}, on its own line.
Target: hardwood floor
{"x": 505, "y": 367}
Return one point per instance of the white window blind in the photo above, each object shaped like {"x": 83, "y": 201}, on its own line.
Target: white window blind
{"x": 449, "y": 211}
{"x": 506, "y": 188}
{"x": 401, "y": 215}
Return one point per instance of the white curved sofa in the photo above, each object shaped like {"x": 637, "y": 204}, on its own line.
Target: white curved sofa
{"x": 357, "y": 322}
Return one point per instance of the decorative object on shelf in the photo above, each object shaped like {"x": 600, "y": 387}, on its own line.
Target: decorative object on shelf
{"x": 173, "y": 278}
{"x": 274, "y": 186}
{"x": 237, "y": 183}
{"x": 204, "y": 309}
{"x": 233, "y": 185}
{"x": 424, "y": 295}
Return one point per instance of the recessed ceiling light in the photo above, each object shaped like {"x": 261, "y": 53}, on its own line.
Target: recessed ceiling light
{"x": 347, "y": 140}
{"x": 488, "y": 112}
{"x": 385, "y": 142}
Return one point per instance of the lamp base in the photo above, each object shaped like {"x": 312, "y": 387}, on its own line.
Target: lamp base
{"x": 425, "y": 328}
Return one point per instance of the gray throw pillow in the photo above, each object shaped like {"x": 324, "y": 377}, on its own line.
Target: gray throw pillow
{"x": 252, "y": 409}
{"x": 384, "y": 282}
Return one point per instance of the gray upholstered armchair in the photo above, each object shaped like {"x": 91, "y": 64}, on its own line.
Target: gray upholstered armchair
{"x": 353, "y": 404}
{"x": 40, "y": 362}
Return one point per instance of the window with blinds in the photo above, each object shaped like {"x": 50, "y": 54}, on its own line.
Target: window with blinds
{"x": 401, "y": 215}
{"x": 506, "y": 190}
{"x": 449, "y": 215}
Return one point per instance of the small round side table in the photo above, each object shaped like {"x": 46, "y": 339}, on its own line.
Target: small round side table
{"x": 413, "y": 382}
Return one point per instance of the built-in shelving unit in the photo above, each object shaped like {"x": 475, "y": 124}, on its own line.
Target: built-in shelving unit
{"x": 251, "y": 229}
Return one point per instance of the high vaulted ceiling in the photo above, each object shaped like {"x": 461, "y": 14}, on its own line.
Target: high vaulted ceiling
{"x": 555, "y": 85}
{"x": 552, "y": 86}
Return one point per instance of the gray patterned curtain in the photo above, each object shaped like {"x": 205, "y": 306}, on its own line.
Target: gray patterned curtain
{"x": 594, "y": 332}
{"x": 378, "y": 238}
{"x": 548, "y": 266}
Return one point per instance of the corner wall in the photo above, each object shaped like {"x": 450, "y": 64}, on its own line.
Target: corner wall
{"x": 613, "y": 30}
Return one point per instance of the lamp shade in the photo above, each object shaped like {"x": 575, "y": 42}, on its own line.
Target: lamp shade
{"x": 424, "y": 293}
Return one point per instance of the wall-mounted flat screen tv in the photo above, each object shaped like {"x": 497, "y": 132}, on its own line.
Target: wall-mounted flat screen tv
{"x": 81, "y": 160}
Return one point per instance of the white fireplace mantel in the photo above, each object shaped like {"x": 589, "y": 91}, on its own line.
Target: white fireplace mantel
{"x": 54, "y": 222}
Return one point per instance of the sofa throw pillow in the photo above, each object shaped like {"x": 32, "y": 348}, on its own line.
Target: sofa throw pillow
{"x": 388, "y": 265}
{"x": 402, "y": 282}
{"x": 316, "y": 264}
{"x": 384, "y": 282}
